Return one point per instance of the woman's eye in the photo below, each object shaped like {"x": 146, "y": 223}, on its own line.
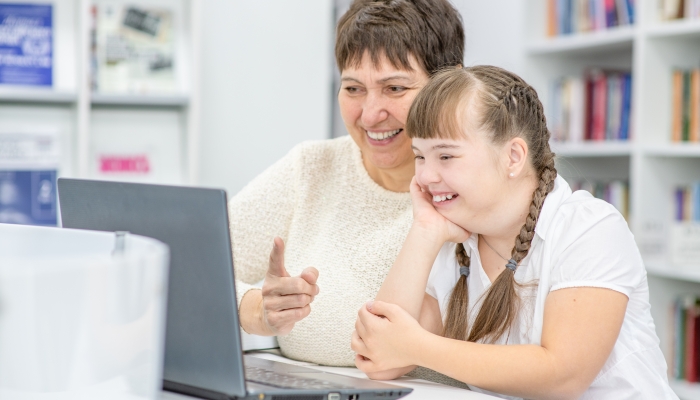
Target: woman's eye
{"x": 445, "y": 157}
{"x": 418, "y": 157}
{"x": 396, "y": 89}
{"x": 352, "y": 89}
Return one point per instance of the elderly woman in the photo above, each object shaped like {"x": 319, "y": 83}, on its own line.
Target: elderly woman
{"x": 341, "y": 208}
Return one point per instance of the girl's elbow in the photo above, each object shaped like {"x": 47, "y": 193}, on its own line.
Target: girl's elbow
{"x": 572, "y": 388}
{"x": 390, "y": 374}
{"x": 384, "y": 375}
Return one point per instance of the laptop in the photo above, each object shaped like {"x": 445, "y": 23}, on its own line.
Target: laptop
{"x": 203, "y": 353}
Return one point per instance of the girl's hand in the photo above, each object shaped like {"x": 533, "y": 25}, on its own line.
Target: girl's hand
{"x": 385, "y": 337}
{"x": 428, "y": 218}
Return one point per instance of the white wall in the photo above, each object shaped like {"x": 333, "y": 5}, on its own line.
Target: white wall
{"x": 265, "y": 84}
{"x": 494, "y": 32}
{"x": 266, "y": 76}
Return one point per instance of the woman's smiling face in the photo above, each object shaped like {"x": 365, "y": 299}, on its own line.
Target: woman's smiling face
{"x": 374, "y": 102}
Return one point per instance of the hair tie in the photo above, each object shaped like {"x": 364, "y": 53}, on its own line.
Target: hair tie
{"x": 464, "y": 271}
{"x": 512, "y": 265}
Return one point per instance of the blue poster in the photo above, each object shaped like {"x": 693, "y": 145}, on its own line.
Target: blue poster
{"x": 28, "y": 197}
{"x": 26, "y": 44}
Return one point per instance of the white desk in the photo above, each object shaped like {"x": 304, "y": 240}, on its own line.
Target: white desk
{"x": 422, "y": 389}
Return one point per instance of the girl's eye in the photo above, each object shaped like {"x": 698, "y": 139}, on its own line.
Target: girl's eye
{"x": 418, "y": 157}
{"x": 445, "y": 157}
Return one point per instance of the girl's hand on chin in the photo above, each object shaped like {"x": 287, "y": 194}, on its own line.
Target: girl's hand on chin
{"x": 426, "y": 216}
{"x": 384, "y": 336}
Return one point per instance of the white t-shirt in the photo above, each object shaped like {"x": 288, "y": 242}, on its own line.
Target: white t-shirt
{"x": 579, "y": 241}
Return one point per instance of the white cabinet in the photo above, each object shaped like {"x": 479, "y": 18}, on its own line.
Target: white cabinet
{"x": 102, "y": 134}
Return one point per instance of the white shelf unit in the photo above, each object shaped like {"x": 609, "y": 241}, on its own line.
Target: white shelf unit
{"x": 649, "y": 160}
{"x": 167, "y": 126}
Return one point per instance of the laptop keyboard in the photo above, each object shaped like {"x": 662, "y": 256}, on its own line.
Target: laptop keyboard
{"x": 284, "y": 381}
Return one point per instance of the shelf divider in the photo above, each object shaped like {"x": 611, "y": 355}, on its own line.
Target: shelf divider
{"x": 175, "y": 100}
{"x": 38, "y": 95}
{"x": 598, "y": 41}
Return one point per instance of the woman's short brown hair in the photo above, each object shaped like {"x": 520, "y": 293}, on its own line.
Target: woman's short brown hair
{"x": 430, "y": 30}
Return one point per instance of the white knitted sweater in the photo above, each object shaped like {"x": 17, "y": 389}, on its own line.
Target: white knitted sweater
{"x": 332, "y": 216}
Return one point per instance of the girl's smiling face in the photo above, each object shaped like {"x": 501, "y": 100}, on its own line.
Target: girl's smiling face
{"x": 461, "y": 176}
{"x": 469, "y": 176}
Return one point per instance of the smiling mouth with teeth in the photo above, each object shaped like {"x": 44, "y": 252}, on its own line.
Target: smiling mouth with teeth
{"x": 383, "y": 135}
{"x": 440, "y": 199}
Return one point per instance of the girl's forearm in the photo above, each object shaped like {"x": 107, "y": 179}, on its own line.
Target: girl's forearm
{"x": 528, "y": 371}
{"x": 405, "y": 284}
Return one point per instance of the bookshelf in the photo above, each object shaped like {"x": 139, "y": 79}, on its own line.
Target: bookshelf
{"x": 651, "y": 163}
{"x": 91, "y": 123}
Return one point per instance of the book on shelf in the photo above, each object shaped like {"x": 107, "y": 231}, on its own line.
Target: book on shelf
{"x": 29, "y": 161}
{"x": 26, "y": 44}
{"x": 678, "y": 9}
{"x": 133, "y": 49}
{"x": 594, "y": 107}
{"x": 614, "y": 192}
{"x": 687, "y": 202}
{"x": 685, "y": 334}
{"x": 685, "y": 105}
{"x": 566, "y": 17}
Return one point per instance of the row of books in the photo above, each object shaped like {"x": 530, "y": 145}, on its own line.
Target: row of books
{"x": 614, "y": 192}
{"x": 685, "y": 331}
{"x": 133, "y": 47}
{"x": 575, "y": 16}
{"x": 685, "y": 112}
{"x": 597, "y": 106}
{"x": 687, "y": 203}
{"x": 677, "y": 9}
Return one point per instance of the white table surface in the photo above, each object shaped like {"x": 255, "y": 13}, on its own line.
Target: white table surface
{"x": 422, "y": 389}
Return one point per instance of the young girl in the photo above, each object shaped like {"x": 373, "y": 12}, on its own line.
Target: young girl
{"x": 532, "y": 291}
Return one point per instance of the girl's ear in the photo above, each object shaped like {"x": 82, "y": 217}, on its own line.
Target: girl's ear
{"x": 517, "y": 152}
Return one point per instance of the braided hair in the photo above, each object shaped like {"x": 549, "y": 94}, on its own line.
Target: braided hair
{"x": 509, "y": 108}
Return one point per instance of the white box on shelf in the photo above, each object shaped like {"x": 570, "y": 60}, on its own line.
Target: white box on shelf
{"x": 137, "y": 146}
{"x": 684, "y": 243}
{"x": 651, "y": 240}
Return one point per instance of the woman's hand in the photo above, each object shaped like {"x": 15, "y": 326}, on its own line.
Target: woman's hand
{"x": 428, "y": 218}
{"x": 283, "y": 301}
{"x": 385, "y": 338}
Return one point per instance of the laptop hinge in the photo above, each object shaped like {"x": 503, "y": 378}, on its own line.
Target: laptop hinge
{"x": 180, "y": 388}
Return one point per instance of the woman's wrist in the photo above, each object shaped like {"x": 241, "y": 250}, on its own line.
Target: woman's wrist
{"x": 251, "y": 314}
